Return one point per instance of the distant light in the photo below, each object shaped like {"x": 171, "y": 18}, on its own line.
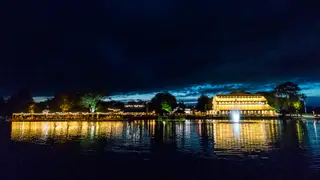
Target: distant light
{"x": 187, "y": 111}
{"x": 134, "y": 106}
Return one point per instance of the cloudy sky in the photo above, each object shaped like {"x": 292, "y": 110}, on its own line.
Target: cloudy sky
{"x": 141, "y": 47}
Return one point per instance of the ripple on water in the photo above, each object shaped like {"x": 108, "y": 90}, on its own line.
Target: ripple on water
{"x": 247, "y": 139}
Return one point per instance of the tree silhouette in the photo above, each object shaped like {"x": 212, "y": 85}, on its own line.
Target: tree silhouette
{"x": 287, "y": 90}
{"x": 204, "y": 103}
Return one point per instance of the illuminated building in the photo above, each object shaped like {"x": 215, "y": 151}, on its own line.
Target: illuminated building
{"x": 135, "y": 108}
{"x": 187, "y": 111}
{"x": 247, "y": 104}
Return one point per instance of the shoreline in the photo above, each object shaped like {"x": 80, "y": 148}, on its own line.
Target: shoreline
{"x": 44, "y": 118}
{"x": 148, "y": 118}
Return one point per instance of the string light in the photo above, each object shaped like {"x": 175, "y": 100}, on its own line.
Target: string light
{"x": 73, "y": 115}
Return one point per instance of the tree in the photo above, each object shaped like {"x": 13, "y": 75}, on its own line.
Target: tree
{"x": 42, "y": 106}
{"x": 32, "y": 108}
{"x": 163, "y": 98}
{"x": 63, "y": 101}
{"x": 286, "y": 89}
{"x": 65, "y": 104}
{"x": 297, "y": 105}
{"x": 166, "y": 107}
{"x": 91, "y": 100}
{"x": 289, "y": 94}
{"x": 204, "y": 103}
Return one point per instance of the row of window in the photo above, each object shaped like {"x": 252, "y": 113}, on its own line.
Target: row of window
{"x": 248, "y": 112}
{"x": 240, "y": 97}
{"x": 241, "y": 102}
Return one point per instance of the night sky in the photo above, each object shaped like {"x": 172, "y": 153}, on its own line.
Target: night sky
{"x": 188, "y": 47}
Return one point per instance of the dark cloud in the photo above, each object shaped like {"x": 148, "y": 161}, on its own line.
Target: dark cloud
{"x": 141, "y": 45}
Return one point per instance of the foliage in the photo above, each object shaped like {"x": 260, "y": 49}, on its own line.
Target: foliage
{"x": 91, "y": 100}
{"x": 160, "y": 98}
{"x": 289, "y": 95}
{"x": 32, "y": 108}
{"x": 65, "y": 104}
{"x": 166, "y": 107}
{"x": 297, "y": 105}
{"x": 70, "y": 101}
{"x": 288, "y": 90}
{"x": 204, "y": 103}
{"x": 41, "y": 106}
{"x": 286, "y": 97}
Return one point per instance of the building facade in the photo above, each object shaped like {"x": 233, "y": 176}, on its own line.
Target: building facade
{"x": 245, "y": 103}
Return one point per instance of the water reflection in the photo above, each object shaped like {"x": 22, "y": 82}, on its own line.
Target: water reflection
{"x": 293, "y": 143}
{"x": 246, "y": 137}
{"x": 192, "y": 136}
{"x": 202, "y": 136}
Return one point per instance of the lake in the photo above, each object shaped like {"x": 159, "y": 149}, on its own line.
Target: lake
{"x": 191, "y": 149}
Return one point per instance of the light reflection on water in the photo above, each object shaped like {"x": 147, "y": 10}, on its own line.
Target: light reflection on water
{"x": 213, "y": 138}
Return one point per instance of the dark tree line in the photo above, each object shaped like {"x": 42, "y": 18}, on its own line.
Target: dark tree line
{"x": 204, "y": 103}
{"x": 22, "y": 101}
{"x": 285, "y": 98}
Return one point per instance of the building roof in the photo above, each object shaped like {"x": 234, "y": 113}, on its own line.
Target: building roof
{"x": 239, "y": 94}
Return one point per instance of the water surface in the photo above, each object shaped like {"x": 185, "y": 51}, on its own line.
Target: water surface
{"x": 255, "y": 148}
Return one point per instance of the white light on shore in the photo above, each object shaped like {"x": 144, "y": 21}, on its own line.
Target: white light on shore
{"x": 235, "y": 116}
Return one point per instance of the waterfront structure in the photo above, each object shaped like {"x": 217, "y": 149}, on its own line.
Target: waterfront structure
{"x": 58, "y": 116}
{"x": 247, "y": 104}
{"x": 135, "y": 108}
